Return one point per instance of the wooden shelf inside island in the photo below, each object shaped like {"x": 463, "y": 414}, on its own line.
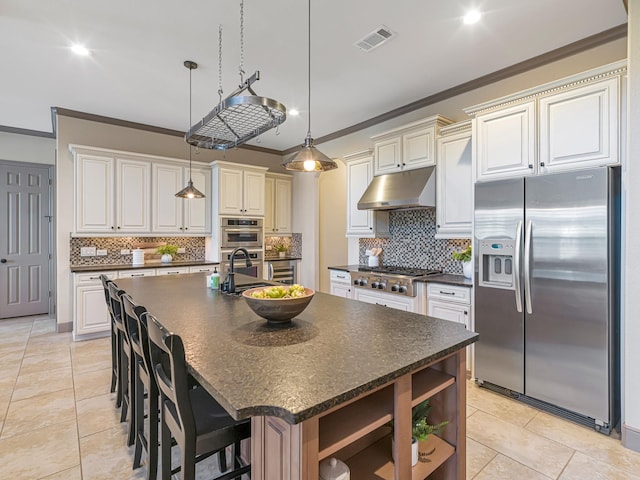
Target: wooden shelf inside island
{"x": 427, "y": 383}
{"x": 375, "y": 461}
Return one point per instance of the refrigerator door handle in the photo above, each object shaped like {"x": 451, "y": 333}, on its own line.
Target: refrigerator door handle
{"x": 527, "y": 267}
{"x": 516, "y": 269}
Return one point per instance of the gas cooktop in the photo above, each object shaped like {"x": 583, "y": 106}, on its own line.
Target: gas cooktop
{"x": 406, "y": 271}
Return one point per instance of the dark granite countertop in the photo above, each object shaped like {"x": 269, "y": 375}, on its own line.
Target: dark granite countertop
{"x": 451, "y": 279}
{"x": 335, "y": 350}
{"x": 281, "y": 259}
{"x": 129, "y": 266}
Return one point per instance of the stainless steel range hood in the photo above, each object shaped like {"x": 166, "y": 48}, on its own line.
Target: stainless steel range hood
{"x": 410, "y": 189}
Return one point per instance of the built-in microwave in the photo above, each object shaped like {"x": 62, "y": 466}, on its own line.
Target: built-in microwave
{"x": 241, "y": 232}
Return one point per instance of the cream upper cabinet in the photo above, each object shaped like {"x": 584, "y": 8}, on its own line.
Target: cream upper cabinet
{"x": 362, "y": 223}
{"x": 407, "y": 147}
{"x": 505, "y": 142}
{"x": 94, "y": 194}
{"x": 454, "y": 182}
{"x": 240, "y": 190}
{"x": 580, "y": 126}
{"x": 197, "y": 211}
{"x": 278, "y": 198}
{"x": 568, "y": 124}
{"x": 133, "y": 196}
{"x": 167, "y": 208}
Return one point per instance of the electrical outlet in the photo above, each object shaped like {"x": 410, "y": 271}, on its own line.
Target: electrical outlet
{"x": 87, "y": 251}
{"x": 181, "y": 250}
{"x": 268, "y": 248}
{"x": 101, "y": 253}
{"x": 125, "y": 251}
{"x": 367, "y": 252}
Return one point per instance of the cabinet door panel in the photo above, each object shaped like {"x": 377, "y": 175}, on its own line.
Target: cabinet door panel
{"x": 254, "y": 193}
{"x": 133, "y": 195}
{"x": 418, "y": 149}
{"x": 448, "y": 311}
{"x": 580, "y": 126}
{"x": 91, "y": 310}
{"x": 387, "y": 156}
{"x": 454, "y": 185}
{"x": 341, "y": 290}
{"x": 94, "y": 190}
{"x": 359, "y": 176}
{"x": 378, "y": 299}
{"x": 282, "y": 206}
{"x": 230, "y": 193}
{"x": 506, "y": 142}
{"x": 196, "y": 210}
{"x": 269, "y": 223}
{"x": 167, "y": 208}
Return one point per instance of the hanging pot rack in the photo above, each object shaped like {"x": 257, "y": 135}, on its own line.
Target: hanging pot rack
{"x": 237, "y": 119}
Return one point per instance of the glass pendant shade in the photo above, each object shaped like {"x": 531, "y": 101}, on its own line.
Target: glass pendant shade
{"x": 309, "y": 159}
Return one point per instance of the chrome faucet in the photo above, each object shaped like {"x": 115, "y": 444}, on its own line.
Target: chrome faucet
{"x": 229, "y": 284}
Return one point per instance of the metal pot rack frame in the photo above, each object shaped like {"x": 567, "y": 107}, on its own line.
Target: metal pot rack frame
{"x": 237, "y": 119}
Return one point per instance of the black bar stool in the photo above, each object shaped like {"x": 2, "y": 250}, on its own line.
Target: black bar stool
{"x": 199, "y": 424}
{"x": 114, "y": 340}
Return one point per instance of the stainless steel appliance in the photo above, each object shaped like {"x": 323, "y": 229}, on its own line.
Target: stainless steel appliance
{"x": 410, "y": 189}
{"x": 240, "y": 232}
{"x": 389, "y": 279}
{"x": 255, "y": 270}
{"x": 283, "y": 271}
{"x": 546, "y": 302}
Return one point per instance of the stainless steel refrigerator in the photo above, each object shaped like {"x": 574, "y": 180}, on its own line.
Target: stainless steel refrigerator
{"x": 546, "y": 301}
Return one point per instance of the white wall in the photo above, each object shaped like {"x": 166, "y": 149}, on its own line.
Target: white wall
{"x": 25, "y": 148}
{"x": 306, "y": 221}
{"x": 630, "y": 259}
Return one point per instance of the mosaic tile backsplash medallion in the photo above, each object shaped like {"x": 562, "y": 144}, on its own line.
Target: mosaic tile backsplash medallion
{"x": 294, "y": 242}
{"x": 411, "y": 243}
{"x": 194, "y": 249}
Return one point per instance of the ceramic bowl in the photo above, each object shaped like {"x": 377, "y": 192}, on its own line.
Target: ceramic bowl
{"x": 278, "y": 310}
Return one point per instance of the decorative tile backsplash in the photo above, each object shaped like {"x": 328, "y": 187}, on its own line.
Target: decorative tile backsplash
{"x": 194, "y": 249}
{"x": 294, "y": 242}
{"x": 412, "y": 244}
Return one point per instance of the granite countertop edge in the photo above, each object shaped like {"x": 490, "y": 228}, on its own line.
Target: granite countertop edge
{"x": 129, "y": 266}
{"x": 298, "y": 417}
{"x": 449, "y": 278}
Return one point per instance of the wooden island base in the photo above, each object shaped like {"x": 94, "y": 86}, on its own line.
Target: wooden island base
{"x": 357, "y": 431}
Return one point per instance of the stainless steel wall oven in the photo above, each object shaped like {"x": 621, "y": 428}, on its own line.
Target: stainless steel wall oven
{"x": 241, "y": 232}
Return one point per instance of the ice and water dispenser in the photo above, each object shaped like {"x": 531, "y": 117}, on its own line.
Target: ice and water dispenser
{"x": 497, "y": 263}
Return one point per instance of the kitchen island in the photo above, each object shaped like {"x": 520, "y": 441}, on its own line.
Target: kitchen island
{"x": 324, "y": 385}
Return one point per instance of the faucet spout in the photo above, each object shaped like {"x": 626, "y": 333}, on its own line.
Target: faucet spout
{"x": 230, "y": 281}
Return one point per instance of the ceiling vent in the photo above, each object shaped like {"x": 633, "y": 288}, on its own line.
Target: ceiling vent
{"x": 374, "y": 39}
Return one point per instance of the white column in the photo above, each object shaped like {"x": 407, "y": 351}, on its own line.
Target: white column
{"x": 306, "y": 220}
{"x": 631, "y": 261}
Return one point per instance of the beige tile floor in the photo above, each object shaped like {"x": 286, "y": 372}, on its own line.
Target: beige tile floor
{"x": 57, "y": 421}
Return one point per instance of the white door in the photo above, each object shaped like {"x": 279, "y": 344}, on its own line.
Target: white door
{"x": 24, "y": 242}
{"x": 94, "y": 194}
{"x": 282, "y": 206}
{"x": 254, "y": 193}
{"x": 269, "y": 223}
{"x": 359, "y": 175}
{"x": 91, "y": 310}
{"x": 418, "y": 149}
{"x": 387, "y": 156}
{"x": 340, "y": 290}
{"x": 133, "y": 183}
{"x": 449, "y": 311}
{"x": 230, "y": 191}
{"x": 197, "y": 210}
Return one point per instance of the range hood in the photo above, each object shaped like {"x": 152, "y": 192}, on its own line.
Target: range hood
{"x": 409, "y": 189}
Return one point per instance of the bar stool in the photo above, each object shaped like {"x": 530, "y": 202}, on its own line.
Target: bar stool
{"x": 199, "y": 424}
{"x": 114, "y": 342}
{"x": 125, "y": 384}
{"x": 136, "y": 324}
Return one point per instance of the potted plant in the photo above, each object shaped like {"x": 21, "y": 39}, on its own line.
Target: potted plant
{"x": 420, "y": 428}
{"x": 464, "y": 257}
{"x": 167, "y": 251}
{"x": 281, "y": 248}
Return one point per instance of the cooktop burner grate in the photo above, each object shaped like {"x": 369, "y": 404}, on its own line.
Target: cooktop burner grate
{"x": 407, "y": 271}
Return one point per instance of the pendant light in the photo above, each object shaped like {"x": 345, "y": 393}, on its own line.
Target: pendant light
{"x": 190, "y": 191}
{"x": 309, "y": 158}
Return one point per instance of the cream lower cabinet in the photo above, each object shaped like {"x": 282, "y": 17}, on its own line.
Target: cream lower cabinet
{"x": 362, "y": 223}
{"x": 277, "y": 204}
{"x": 454, "y": 182}
{"x": 340, "y": 283}
{"x": 90, "y": 314}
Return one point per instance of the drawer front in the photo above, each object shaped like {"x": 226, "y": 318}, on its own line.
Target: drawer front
{"x": 172, "y": 271}
{"x": 149, "y": 272}
{"x": 450, "y": 293}
{"x": 202, "y": 269}
{"x": 340, "y": 276}
{"x": 93, "y": 277}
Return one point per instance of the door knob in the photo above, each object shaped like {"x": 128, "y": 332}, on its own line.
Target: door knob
{"x": 3, "y": 260}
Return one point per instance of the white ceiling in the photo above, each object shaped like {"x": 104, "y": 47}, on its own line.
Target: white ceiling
{"x": 136, "y": 71}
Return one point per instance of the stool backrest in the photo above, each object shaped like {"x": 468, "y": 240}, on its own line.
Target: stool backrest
{"x": 131, "y": 317}
{"x": 170, "y": 369}
{"x": 105, "y": 284}
{"x": 116, "y": 304}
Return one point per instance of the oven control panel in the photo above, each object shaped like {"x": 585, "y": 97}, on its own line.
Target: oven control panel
{"x": 385, "y": 283}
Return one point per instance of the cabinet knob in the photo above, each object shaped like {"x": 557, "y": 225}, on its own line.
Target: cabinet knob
{"x": 186, "y": 228}
{"x": 438, "y": 226}
{"x": 531, "y": 165}
{"x": 542, "y": 164}
{"x": 4, "y": 260}
{"x": 397, "y": 165}
{"x": 118, "y": 227}
{"x": 370, "y": 228}
{"x": 112, "y": 228}
{"x": 404, "y": 164}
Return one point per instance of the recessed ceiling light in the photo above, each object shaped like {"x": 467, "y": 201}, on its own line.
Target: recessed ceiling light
{"x": 80, "y": 50}
{"x": 293, "y": 112}
{"x": 472, "y": 17}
